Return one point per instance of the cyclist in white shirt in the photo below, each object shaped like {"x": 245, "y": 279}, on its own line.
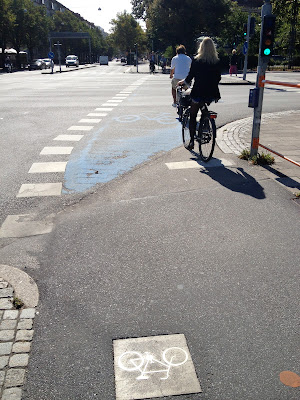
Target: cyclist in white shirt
{"x": 180, "y": 67}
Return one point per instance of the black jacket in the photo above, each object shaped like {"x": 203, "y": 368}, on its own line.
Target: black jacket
{"x": 206, "y": 79}
{"x": 233, "y": 59}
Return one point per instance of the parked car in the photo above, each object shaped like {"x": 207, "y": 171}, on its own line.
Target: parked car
{"x": 72, "y": 60}
{"x": 48, "y": 62}
{"x": 37, "y": 64}
{"x": 123, "y": 60}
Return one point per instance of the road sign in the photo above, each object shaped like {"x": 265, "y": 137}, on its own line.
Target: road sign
{"x": 245, "y": 48}
{"x": 51, "y": 54}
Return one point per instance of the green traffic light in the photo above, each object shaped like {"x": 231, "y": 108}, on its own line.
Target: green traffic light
{"x": 267, "y": 52}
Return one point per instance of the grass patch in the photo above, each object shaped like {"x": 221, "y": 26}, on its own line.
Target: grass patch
{"x": 260, "y": 159}
{"x": 18, "y": 303}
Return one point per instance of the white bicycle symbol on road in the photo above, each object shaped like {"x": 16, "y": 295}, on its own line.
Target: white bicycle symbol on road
{"x": 161, "y": 118}
{"x": 134, "y": 361}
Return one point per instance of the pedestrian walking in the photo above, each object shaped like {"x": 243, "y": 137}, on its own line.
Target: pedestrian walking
{"x": 233, "y": 63}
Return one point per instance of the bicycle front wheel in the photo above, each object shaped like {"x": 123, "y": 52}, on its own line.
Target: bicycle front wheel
{"x": 207, "y": 138}
{"x": 130, "y": 361}
{"x": 186, "y": 137}
{"x": 175, "y": 356}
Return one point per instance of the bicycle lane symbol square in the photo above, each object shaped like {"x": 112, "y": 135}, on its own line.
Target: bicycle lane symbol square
{"x": 154, "y": 366}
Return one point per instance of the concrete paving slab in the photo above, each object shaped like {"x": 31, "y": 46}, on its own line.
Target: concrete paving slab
{"x": 90, "y": 121}
{"x": 80, "y": 128}
{"x": 24, "y": 225}
{"x": 40, "y": 189}
{"x": 97, "y": 115}
{"x": 213, "y": 163}
{"x": 56, "y": 150}
{"x": 45, "y": 167}
{"x": 69, "y": 138}
{"x": 154, "y": 366}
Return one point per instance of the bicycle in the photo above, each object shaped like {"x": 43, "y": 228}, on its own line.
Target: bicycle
{"x": 134, "y": 361}
{"x": 205, "y": 129}
{"x": 152, "y": 67}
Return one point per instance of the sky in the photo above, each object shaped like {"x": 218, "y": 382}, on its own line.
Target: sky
{"x": 88, "y": 9}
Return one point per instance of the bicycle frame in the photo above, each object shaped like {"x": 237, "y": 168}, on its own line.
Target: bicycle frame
{"x": 150, "y": 359}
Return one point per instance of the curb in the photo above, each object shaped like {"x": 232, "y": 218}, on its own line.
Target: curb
{"x": 70, "y": 70}
{"x": 16, "y": 329}
{"x": 25, "y": 287}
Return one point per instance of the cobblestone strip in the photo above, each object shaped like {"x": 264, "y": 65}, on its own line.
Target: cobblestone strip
{"x": 236, "y": 136}
{"x": 16, "y": 333}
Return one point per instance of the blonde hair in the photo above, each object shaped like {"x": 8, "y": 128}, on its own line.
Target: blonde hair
{"x": 207, "y": 51}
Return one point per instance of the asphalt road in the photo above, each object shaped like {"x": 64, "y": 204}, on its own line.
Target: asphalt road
{"x": 211, "y": 253}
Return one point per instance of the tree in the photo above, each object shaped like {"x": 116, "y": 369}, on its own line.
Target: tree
{"x": 287, "y": 27}
{"x": 171, "y": 22}
{"x": 30, "y": 26}
{"x": 126, "y": 32}
{"x": 7, "y": 19}
{"x": 140, "y": 8}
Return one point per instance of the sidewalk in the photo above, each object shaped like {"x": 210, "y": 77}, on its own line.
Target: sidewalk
{"x": 279, "y": 131}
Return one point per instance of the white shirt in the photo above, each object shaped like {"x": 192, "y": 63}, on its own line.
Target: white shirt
{"x": 182, "y": 64}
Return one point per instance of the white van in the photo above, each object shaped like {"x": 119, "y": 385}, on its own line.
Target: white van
{"x": 103, "y": 60}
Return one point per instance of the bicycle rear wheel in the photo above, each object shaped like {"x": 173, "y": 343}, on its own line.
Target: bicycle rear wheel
{"x": 207, "y": 137}
{"x": 186, "y": 137}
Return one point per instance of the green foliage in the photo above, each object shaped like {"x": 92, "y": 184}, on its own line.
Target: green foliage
{"x": 287, "y": 17}
{"x": 25, "y": 25}
{"x": 126, "y": 33}
{"x": 171, "y": 22}
{"x": 260, "y": 159}
{"x": 169, "y": 52}
{"x": 17, "y": 303}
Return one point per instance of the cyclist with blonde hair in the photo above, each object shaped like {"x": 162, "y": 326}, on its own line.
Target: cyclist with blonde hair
{"x": 205, "y": 70}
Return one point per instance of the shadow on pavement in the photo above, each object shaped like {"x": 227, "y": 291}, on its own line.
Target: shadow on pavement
{"x": 239, "y": 181}
{"x": 282, "y": 178}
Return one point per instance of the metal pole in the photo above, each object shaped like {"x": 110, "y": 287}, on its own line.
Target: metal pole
{"x": 58, "y": 49}
{"x": 247, "y": 41}
{"x": 261, "y": 68}
{"x": 137, "y": 61}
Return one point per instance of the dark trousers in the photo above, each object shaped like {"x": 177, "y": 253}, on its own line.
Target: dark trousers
{"x": 193, "y": 116}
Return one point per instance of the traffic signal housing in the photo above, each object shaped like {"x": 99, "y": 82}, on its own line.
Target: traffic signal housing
{"x": 267, "y": 38}
{"x": 252, "y": 26}
{"x": 245, "y": 31}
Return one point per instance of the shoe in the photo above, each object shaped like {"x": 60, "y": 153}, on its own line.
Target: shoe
{"x": 174, "y": 105}
{"x": 191, "y": 145}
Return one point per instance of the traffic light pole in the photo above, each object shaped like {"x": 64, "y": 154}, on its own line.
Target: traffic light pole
{"x": 261, "y": 69}
{"x": 246, "y": 54}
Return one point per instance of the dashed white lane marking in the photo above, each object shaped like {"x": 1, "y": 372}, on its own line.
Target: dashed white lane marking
{"x": 45, "y": 167}
{"x": 126, "y": 92}
{"x": 40, "y": 189}
{"x": 194, "y": 164}
{"x": 69, "y": 138}
{"x": 97, "y": 115}
{"x": 80, "y": 128}
{"x": 25, "y": 225}
{"x": 109, "y": 104}
{"x": 115, "y": 101}
{"x": 122, "y": 95}
{"x": 56, "y": 150}
{"x": 104, "y": 109}
{"x": 91, "y": 121}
